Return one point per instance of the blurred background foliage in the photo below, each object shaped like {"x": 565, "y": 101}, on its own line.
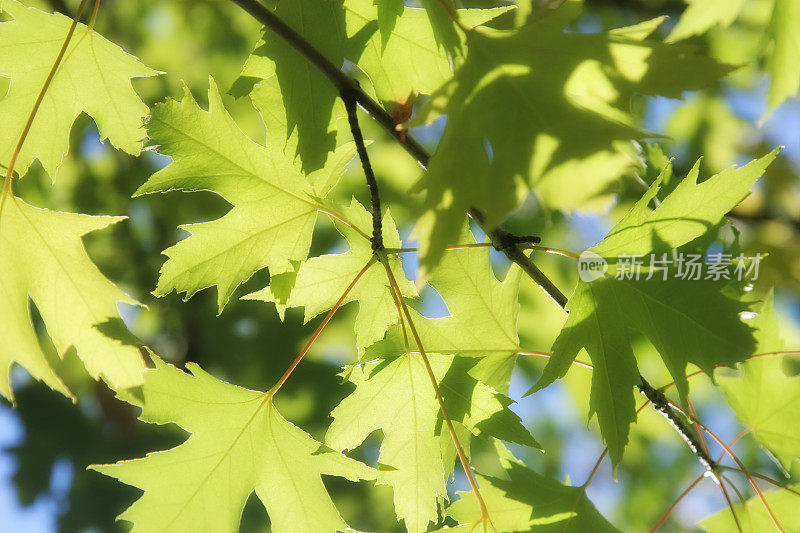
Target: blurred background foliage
{"x": 46, "y": 443}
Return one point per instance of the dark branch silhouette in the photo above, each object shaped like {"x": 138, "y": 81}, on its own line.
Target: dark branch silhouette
{"x": 351, "y": 105}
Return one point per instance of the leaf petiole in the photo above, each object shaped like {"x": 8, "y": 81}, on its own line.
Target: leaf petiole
{"x": 485, "y": 518}
{"x": 319, "y": 329}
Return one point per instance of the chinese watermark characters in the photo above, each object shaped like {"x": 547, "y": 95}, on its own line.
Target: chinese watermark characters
{"x": 714, "y": 266}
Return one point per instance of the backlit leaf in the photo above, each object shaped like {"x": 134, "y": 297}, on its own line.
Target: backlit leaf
{"x": 687, "y": 321}
{"x": 527, "y": 501}
{"x": 239, "y": 443}
{"x": 94, "y": 77}
{"x": 547, "y": 110}
{"x": 42, "y": 259}
{"x": 320, "y": 281}
{"x": 764, "y": 398}
{"x": 275, "y": 206}
{"x": 482, "y": 321}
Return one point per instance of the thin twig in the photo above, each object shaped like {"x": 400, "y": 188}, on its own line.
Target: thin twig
{"x": 738, "y": 462}
{"x": 347, "y": 85}
{"x": 504, "y": 241}
{"x": 678, "y": 500}
{"x": 343, "y": 83}
{"x": 662, "y": 404}
{"x": 351, "y": 104}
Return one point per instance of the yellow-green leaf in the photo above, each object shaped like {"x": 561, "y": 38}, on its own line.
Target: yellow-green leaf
{"x": 688, "y": 321}
{"x": 783, "y": 63}
{"x": 94, "y": 77}
{"x": 541, "y": 109}
{"x": 275, "y": 206}
{"x": 320, "y": 281}
{"x": 42, "y": 260}
{"x": 239, "y": 443}
{"x": 764, "y": 397}
{"x": 483, "y": 316}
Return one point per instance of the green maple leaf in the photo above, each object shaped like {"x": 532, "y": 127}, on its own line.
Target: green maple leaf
{"x": 42, "y": 259}
{"x": 239, "y": 443}
{"x": 753, "y": 518}
{"x": 543, "y": 109}
{"x": 440, "y": 14}
{"x": 702, "y": 15}
{"x": 275, "y": 205}
{"x": 319, "y": 282}
{"x": 100, "y": 69}
{"x": 690, "y": 211}
{"x": 480, "y": 408}
{"x": 482, "y": 321}
{"x": 783, "y": 63}
{"x": 687, "y": 321}
{"x": 396, "y": 396}
{"x": 527, "y": 501}
{"x": 399, "y": 53}
{"x": 765, "y": 399}
{"x": 402, "y": 56}
{"x": 295, "y": 99}
{"x": 783, "y": 38}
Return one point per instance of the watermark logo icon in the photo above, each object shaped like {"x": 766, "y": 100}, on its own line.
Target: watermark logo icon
{"x": 591, "y": 266}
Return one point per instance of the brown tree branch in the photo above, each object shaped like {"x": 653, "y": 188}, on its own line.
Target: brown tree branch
{"x": 375, "y": 200}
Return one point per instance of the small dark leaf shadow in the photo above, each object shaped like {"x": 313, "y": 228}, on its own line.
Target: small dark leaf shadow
{"x": 115, "y": 328}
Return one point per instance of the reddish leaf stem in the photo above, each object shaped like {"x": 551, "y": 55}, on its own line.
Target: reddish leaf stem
{"x": 733, "y": 486}
{"x": 485, "y": 518}
{"x": 730, "y": 506}
{"x": 343, "y": 220}
{"x": 94, "y": 13}
{"x": 319, "y": 329}
{"x": 672, "y": 507}
{"x": 738, "y": 462}
{"x": 596, "y": 466}
{"x": 521, "y": 351}
{"x": 757, "y": 356}
{"x": 536, "y": 247}
{"x": 764, "y": 478}
{"x": 694, "y": 484}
